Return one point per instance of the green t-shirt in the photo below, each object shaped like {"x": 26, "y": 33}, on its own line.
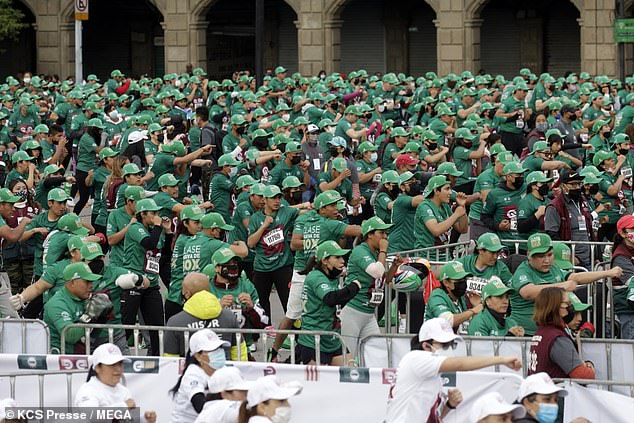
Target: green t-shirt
{"x": 13, "y": 175}
{"x": 527, "y": 207}
{"x": 499, "y": 269}
{"x": 163, "y": 163}
{"x": 532, "y": 163}
{"x": 464, "y": 164}
{"x": 439, "y": 303}
{"x": 60, "y": 311}
{"x": 166, "y": 202}
{"x": 87, "y": 153}
{"x": 485, "y": 182}
{"x": 511, "y": 105}
{"x": 282, "y": 170}
{"x": 98, "y": 181}
{"x": 315, "y": 229}
{"x": 484, "y": 324}
{"x": 317, "y": 315}
{"x": 367, "y": 189}
{"x": 340, "y": 130}
{"x": 614, "y": 213}
{"x": 344, "y": 188}
{"x": 55, "y": 247}
{"x": 592, "y": 114}
{"x": 273, "y": 250}
{"x": 198, "y": 250}
{"x": 360, "y": 258}
{"x": 54, "y": 276}
{"x": 401, "y": 237}
{"x": 137, "y": 258}
{"x": 37, "y": 240}
{"x": 381, "y": 202}
{"x": 220, "y": 190}
{"x": 244, "y": 210}
{"x": 244, "y": 285}
{"x": 150, "y": 148}
{"x": 117, "y": 220}
{"x": 522, "y": 309}
{"x": 177, "y": 275}
{"x": 388, "y": 161}
{"x": 427, "y": 210}
{"x": 502, "y": 204}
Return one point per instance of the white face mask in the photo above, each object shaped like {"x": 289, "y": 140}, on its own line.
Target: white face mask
{"x": 27, "y": 80}
{"x": 282, "y": 415}
{"x": 286, "y": 117}
{"x": 114, "y": 114}
{"x": 233, "y": 172}
{"x": 373, "y": 157}
{"x": 381, "y": 108}
{"x": 449, "y": 352}
{"x": 177, "y": 83}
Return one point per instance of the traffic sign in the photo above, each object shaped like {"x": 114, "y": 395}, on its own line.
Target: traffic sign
{"x": 624, "y": 30}
{"x": 81, "y": 10}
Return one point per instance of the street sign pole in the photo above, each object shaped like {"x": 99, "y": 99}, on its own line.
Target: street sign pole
{"x": 81, "y": 14}
{"x": 259, "y": 41}
{"x": 621, "y": 15}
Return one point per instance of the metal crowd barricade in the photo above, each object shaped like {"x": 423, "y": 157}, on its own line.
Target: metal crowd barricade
{"x": 598, "y": 384}
{"x": 162, "y": 329}
{"x": 40, "y": 376}
{"x": 24, "y": 336}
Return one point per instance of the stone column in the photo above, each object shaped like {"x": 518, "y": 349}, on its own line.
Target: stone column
{"x": 311, "y": 38}
{"x": 332, "y": 35}
{"x": 599, "y": 52}
{"x": 451, "y": 44}
{"x": 185, "y": 32}
{"x": 472, "y": 41}
{"x": 66, "y": 64}
{"x": 198, "y": 41}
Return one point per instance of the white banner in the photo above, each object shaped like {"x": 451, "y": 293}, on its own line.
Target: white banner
{"x": 351, "y": 395}
{"x": 597, "y": 406}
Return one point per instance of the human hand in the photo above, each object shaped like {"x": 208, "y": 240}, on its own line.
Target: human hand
{"x": 454, "y": 397}
{"x": 517, "y": 331}
{"x": 226, "y": 301}
{"x": 245, "y": 299}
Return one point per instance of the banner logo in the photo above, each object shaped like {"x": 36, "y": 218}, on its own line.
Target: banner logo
{"x": 144, "y": 365}
{"x": 312, "y": 373}
{"x": 354, "y": 375}
{"x": 73, "y": 362}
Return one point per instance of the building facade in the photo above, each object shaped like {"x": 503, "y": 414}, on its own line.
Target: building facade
{"x": 411, "y": 36}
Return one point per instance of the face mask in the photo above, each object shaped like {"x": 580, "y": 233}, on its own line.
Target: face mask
{"x": 334, "y": 273}
{"x": 541, "y": 127}
{"x": 233, "y": 172}
{"x": 393, "y": 192}
{"x": 114, "y": 114}
{"x": 432, "y": 146}
{"x": 261, "y": 143}
{"x": 547, "y": 413}
{"x": 286, "y": 117}
{"x": 334, "y": 151}
{"x": 282, "y": 415}
{"x": 575, "y": 194}
{"x": 543, "y": 190}
{"x": 230, "y": 272}
{"x": 460, "y": 287}
{"x": 22, "y": 194}
{"x": 177, "y": 83}
{"x": 594, "y": 189}
{"x": 414, "y": 189}
{"x": 217, "y": 359}
{"x": 381, "y": 108}
{"x": 624, "y": 151}
{"x": 518, "y": 182}
{"x": 240, "y": 130}
{"x": 467, "y": 144}
{"x": 96, "y": 266}
{"x": 296, "y": 160}
{"x": 160, "y": 137}
{"x": 449, "y": 352}
{"x": 27, "y": 80}
{"x": 573, "y": 117}
{"x": 571, "y": 314}
{"x": 374, "y": 157}
{"x": 607, "y": 134}
{"x": 296, "y": 197}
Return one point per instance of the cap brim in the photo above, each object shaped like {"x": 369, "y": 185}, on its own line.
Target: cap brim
{"x": 227, "y": 227}
{"x": 495, "y": 248}
{"x": 539, "y": 250}
{"x": 81, "y": 230}
{"x": 92, "y": 277}
{"x": 282, "y": 393}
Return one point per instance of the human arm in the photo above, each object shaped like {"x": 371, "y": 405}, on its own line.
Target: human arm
{"x": 14, "y": 234}
{"x": 530, "y": 291}
{"x": 254, "y": 238}
{"x": 117, "y": 237}
{"x": 343, "y": 295}
{"x": 465, "y": 364}
{"x": 240, "y": 249}
{"x": 563, "y": 353}
{"x": 28, "y": 233}
{"x": 202, "y": 151}
{"x": 326, "y": 186}
{"x": 151, "y": 242}
{"x": 30, "y": 292}
{"x": 585, "y": 278}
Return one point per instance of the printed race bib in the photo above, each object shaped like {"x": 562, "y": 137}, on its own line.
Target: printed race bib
{"x": 376, "y": 298}
{"x": 152, "y": 262}
{"x": 273, "y": 238}
{"x": 584, "y": 137}
{"x": 377, "y": 178}
{"x": 626, "y": 172}
{"x": 581, "y": 220}
{"x": 519, "y": 124}
{"x": 510, "y": 213}
{"x": 475, "y": 285}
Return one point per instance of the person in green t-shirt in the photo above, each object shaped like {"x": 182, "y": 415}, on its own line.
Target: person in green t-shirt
{"x": 464, "y": 155}
{"x": 23, "y": 169}
{"x": 532, "y": 208}
{"x": 369, "y": 174}
{"x": 88, "y": 147}
{"x": 240, "y": 220}
{"x": 513, "y": 114}
{"x": 539, "y": 272}
{"x": 96, "y": 179}
{"x": 402, "y": 237}
{"x": 493, "y": 321}
{"x": 292, "y": 165}
{"x": 383, "y": 200}
{"x": 434, "y": 220}
{"x": 222, "y": 185}
{"x": 449, "y": 301}
{"x": 320, "y": 297}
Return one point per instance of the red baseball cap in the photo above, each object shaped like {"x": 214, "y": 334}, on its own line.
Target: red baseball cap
{"x": 626, "y": 222}
{"x": 405, "y": 159}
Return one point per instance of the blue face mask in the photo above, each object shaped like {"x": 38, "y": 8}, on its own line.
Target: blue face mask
{"x": 547, "y": 413}
{"x": 217, "y": 359}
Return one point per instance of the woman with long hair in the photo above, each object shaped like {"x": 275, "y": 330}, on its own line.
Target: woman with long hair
{"x": 267, "y": 401}
{"x": 113, "y": 181}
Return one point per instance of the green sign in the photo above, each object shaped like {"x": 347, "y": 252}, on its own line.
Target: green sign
{"x": 624, "y": 30}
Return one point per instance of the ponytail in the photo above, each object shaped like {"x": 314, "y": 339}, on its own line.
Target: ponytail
{"x": 189, "y": 359}
{"x": 91, "y": 372}
{"x": 245, "y": 414}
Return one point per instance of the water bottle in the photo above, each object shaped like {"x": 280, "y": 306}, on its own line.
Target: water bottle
{"x": 607, "y": 253}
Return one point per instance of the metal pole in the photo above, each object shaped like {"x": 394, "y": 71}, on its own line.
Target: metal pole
{"x": 259, "y": 41}
{"x": 79, "y": 60}
{"x": 621, "y": 14}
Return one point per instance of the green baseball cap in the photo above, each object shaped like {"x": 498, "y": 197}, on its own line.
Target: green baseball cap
{"x": 330, "y": 248}
{"x": 69, "y": 223}
{"x": 591, "y": 179}
{"x": 192, "y": 212}
{"x": 91, "y": 251}
{"x": 227, "y": 160}
{"x": 130, "y": 169}
{"x": 598, "y": 158}
{"x": 107, "y": 152}
{"x": 505, "y": 157}
{"x": 497, "y": 149}
{"x": 539, "y": 243}
{"x": 367, "y": 146}
{"x": 399, "y": 131}
{"x": 215, "y": 220}
{"x": 537, "y": 176}
{"x": 133, "y": 192}
{"x": 167, "y": 180}
{"x": 20, "y": 156}
{"x": 412, "y": 147}
{"x": 620, "y": 139}
{"x": 434, "y": 182}
{"x": 448, "y": 168}
{"x": 490, "y": 242}
{"x": 176, "y": 147}
{"x": 96, "y": 122}
{"x": 40, "y": 129}
{"x": 326, "y": 198}
{"x": 562, "y": 255}
{"x": 577, "y": 305}
{"x": 373, "y": 224}
{"x": 291, "y": 182}
{"x": 513, "y": 167}
{"x": 154, "y": 127}
{"x": 59, "y": 195}
{"x": 404, "y": 177}
{"x": 245, "y": 181}
{"x": 293, "y": 147}
{"x": 6, "y": 196}
{"x": 494, "y": 288}
{"x": 339, "y": 164}
{"x": 51, "y": 169}
{"x": 453, "y": 270}
{"x": 464, "y": 133}
{"x": 257, "y": 189}
{"x": 553, "y": 131}
{"x": 599, "y": 124}
{"x": 272, "y": 191}
{"x": 222, "y": 255}
{"x": 389, "y": 177}
{"x": 146, "y": 205}
{"x": 540, "y": 146}
{"x": 79, "y": 271}
{"x": 75, "y": 242}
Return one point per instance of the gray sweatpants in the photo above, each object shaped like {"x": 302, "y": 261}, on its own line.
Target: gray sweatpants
{"x": 355, "y": 326}
{"x": 5, "y": 293}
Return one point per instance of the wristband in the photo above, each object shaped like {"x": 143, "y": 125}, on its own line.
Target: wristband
{"x": 384, "y": 252}
{"x": 449, "y": 406}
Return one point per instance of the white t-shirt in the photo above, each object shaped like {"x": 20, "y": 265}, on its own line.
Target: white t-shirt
{"x": 417, "y": 387}
{"x": 259, "y": 419}
{"x": 94, "y": 393}
{"x": 194, "y": 381}
{"x": 220, "y": 411}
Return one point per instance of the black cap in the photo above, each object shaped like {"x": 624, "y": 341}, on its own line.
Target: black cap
{"x": 568, "y": 176}
{"x": 567, "y": 108}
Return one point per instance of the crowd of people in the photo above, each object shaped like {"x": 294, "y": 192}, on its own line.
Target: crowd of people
{"x": 206, "y": 195}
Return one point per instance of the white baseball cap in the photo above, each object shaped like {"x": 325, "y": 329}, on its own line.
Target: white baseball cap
{"x": 268, "y": 388}
{"x": 437, "y": 329}
{"x": 227, "y": 379}
{"x": 205, "y": 340}
{"x": 539, "y": 383}
{"x": 492, "y": 404}
{"x": 4, "y": 404}
{"x": 107, "y": 354}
